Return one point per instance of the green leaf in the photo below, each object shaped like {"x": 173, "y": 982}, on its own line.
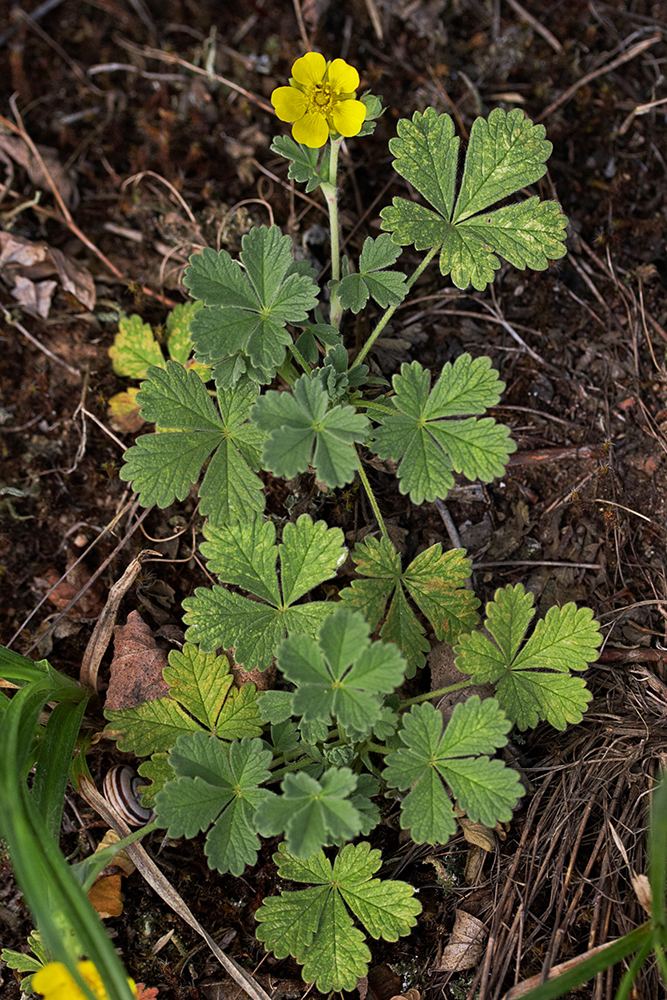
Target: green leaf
{"x": 436, "y": 582}
{"x": 343, "y": 676}
{"x": 248, "y": 305}
{"x": 374, "y": 110}
{"x": 217, "y": 788}
{"x": 156, "y": 772}
{"x": 374, "y": 280}
{"x": 428, "y": 447}
{"x": 312, "y": 814}
{"x": 201, "y": 695}
{"x": 19, "y": 961}
{"x": 487, "y": 790}
{"x": 246, "y": 556}
{"x": 533, "y": 682}
{"x": 163, "y": 467}
{"x": 303, "y": 430}
{"x": 303, "y": 162}
{"x": 135, "y": 348}
{"x": 316, "y": 925}
{"x": 506, "y": 152}
{"x": 179, "y": 332}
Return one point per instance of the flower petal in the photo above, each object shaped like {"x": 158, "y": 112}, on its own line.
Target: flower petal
{"x": 289, "y": 103}
{"x": 309, "y": 69}
{"x": 311, "y": 130}
{"x": 343, "y": 78}
{"x": 349, "y": 116}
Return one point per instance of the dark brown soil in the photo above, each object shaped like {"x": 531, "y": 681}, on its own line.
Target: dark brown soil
{"x": 580, "y": 515}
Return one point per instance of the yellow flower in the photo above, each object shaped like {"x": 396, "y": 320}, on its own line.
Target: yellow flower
{"x": 320, "y": 100}
{"x": 54, "y": 982}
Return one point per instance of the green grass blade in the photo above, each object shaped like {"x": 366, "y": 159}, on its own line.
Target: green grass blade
{"x": 52, "y": 766}
{"x": 590, "y": 967}
{"x": 657, "y": 849}
{"x": 37, "y": 861}
{"x": 625, "y": 988}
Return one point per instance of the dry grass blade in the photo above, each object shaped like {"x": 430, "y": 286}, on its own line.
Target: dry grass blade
{"x": 632, "y": 53}
{"x": 101, "y": 637}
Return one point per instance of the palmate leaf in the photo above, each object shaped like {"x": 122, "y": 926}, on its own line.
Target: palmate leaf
{"x": 312, "y": 814}
{"x": 316, "y": 925}
{"x": 135, "y": 348}
{"x": 305, "y": 166}
{"x": 190, "y": 429}
{"x": 487, "y": 790}
{"x": 436, "y": 582}
{"x": 243, "y": 329}
{"x": 303, "y": 430}
{"x": 217, "y": 785}
{"x": 532, "y": 682}
{"x": 246, "y": 556}
{"x": 506, "y": 152}
{"x": 342, "y": 675}
{"x": 427, "y": 446}
{"x": 202, "y": 696}
{"x": 375, "y": 279}
{"x": 179, "y": 334}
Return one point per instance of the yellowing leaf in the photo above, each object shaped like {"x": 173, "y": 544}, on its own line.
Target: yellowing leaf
{"x": 135, "y": 348}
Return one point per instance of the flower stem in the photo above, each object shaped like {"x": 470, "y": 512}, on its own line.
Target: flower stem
{"x": 330, "y": 192}
{"x": 298, "y": 356}
{"x": 434, "y": 694}
{"x": 388, "y": 313}
{"x": 288, "y": 372}
{"x": 372, "y": 405}
{"x": 371, "y": 499}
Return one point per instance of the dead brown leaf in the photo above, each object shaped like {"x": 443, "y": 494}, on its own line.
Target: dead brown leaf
{"x": 478, "y": 834}
{"x": 77, "y": 577}
{"x": 106, "y": 896}
{"x": 24, "y": 262}
{"x": 444, "y": 672}
{"x": 17, "y": 151}
{"x": 466, "y": 944}
{"x": 34, "y": 296}
{"x": 137, "y": 665}
{"x": 106, "y": 892}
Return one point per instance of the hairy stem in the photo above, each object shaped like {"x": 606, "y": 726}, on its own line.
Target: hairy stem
{"x": 298, "y": 356}
{"x": 330, "y": 192}
{"x": 434, "y": 694}
{"x": 371, "y": 499}
{"x": 388, "y": 313}
{"x": 288, "y": 372}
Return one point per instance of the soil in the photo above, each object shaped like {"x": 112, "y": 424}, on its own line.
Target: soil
{"x": 162, "y": 156}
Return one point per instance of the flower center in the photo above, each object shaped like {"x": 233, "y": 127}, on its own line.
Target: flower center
{"x": 321, "y": 98}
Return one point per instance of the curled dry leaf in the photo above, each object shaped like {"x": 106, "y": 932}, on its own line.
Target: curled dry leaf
{"x": 106, "y": 892}
{"x": 642, "y": 888}
{"x": 466, "y": 944}
{"x": 88, "y": 605}
{"x": 137, "y": 665}
{"x": 411, "y": 994}
{"x": 478, "y": 834}
{"x": 25, "y": 263}
{"x": 106, "y": 896}
{"x": 16, "y": 150}
{"x": 34, "y": 296}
